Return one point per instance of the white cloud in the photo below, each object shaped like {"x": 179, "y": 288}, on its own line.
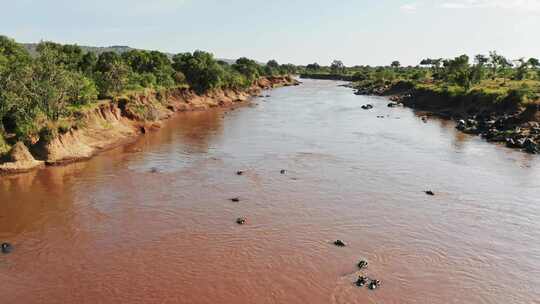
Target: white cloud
{"x": 521, "y": 5}
{"x": 410, "y": 7}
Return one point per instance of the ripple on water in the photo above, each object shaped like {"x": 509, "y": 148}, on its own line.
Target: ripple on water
{"x": 109, "y": 230}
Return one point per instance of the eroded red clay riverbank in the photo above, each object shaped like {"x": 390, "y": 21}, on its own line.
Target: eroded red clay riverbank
{"x": 508, "y": 121}
{"x": 113, "y": 123}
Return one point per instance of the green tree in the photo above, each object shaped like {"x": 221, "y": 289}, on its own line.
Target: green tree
{"x": 498, "y": 64}
{"x": 533, "y": 62}
{"x": 16, "y": 111}
{"x": 273, "y": 64}
{"x": 272, "y": 68}
{"x": 81, "y": 90}
{"x": 522, "y": 69}
{"x": 435, "y": 65}
{"x": 70, "y": 56}
{"x": 337, "y": 67}
{"x": 248, "y": 68}
{"x": 232, "y": 79}
{"x": 478, "y": 71}
{"x": 202, "y": 71}
{"x": 153, "y": 62}
{"x": 535, "y": 65}
{"x": 457, "y": 71}
{"x": 288, "y": 69}
{"x": 360, "y": 76}
{"x": 53, "y": 86}
{"x": 313, "y": 67}
{"x": 88, "y": 63}
{"x": 112, "y": 74}
{"x": 106, "y": 60}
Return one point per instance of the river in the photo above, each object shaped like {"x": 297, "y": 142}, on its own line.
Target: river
{"x": 152, "y": 222}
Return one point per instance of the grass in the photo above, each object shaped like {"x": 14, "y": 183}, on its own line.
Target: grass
{"x": 4, "y": 147}
{"x": 491, "y": 91}
{"x": 525, "y": 91}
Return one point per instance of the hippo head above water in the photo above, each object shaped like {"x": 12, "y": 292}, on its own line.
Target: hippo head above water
{"x": 6, "y": 248}
{"x": 362, "y": 264}
{"x": 362, "y": 280}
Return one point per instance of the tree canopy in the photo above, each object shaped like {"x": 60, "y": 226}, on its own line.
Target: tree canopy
{"x": 43, "y": 88}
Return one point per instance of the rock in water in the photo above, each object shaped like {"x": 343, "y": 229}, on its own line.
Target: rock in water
{"x": 235, "y": 199}
{"x": 6, "y": 248}
{"x": 283, "y": 171}
{"x": 461, "y": 125}
{"x": 530, "y": 146}
{"x": 340, "y": 243}
{"x": 512, "y": 143}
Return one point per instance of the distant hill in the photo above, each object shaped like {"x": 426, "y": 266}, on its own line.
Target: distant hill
{"x": 32, "y": 49}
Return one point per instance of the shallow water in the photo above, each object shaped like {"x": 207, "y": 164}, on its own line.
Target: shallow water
{"x": 110, "y": 231}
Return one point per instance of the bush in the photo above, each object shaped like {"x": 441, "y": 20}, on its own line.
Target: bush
{"x": 4, "y": 147}
{"x": 82, "y": 90}
{"x": 62, "y": 79}
{"x": 48, "y": 133}
{"x": 202, "y": 71}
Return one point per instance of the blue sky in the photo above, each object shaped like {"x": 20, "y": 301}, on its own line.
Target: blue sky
{"x": 297, "y": 31}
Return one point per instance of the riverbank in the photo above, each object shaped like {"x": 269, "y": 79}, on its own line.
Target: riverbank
{"x": 110, "y": 123}
{"x": 322, "y": 76}
{"x": 503, "y": 117}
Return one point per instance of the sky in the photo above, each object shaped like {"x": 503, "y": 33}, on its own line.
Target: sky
{"x": 358, "y": 32}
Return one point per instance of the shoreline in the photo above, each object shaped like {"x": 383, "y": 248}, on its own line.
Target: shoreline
{"x": 113, "y": 123}
{"x": 327, "y": 77}
{"x": 510, "y": 122}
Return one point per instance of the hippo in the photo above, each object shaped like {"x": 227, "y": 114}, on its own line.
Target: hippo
{"x": 6, "y": 248}
{"x": 235, "y": 199}
{"x": 374, "y": 284}
{"x": 362, "y": 280}
{"x": 461, "y": 125}
{"x": 239, "y": 172}
{"x": 283, "y": 171}
{"x": 340, "y": 243}
{"x": 241, "y": 220}
{"x": 367, "y": 107}
{"x": 362, "y": 264}
{"x": 429, "y": 192}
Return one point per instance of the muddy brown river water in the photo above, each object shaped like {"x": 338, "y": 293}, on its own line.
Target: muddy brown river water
{"x": 110, "y": 231}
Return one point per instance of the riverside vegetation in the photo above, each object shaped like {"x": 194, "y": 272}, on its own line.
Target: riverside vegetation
{"x": 494, "y": 97}
{"x": 58, "y": 90}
